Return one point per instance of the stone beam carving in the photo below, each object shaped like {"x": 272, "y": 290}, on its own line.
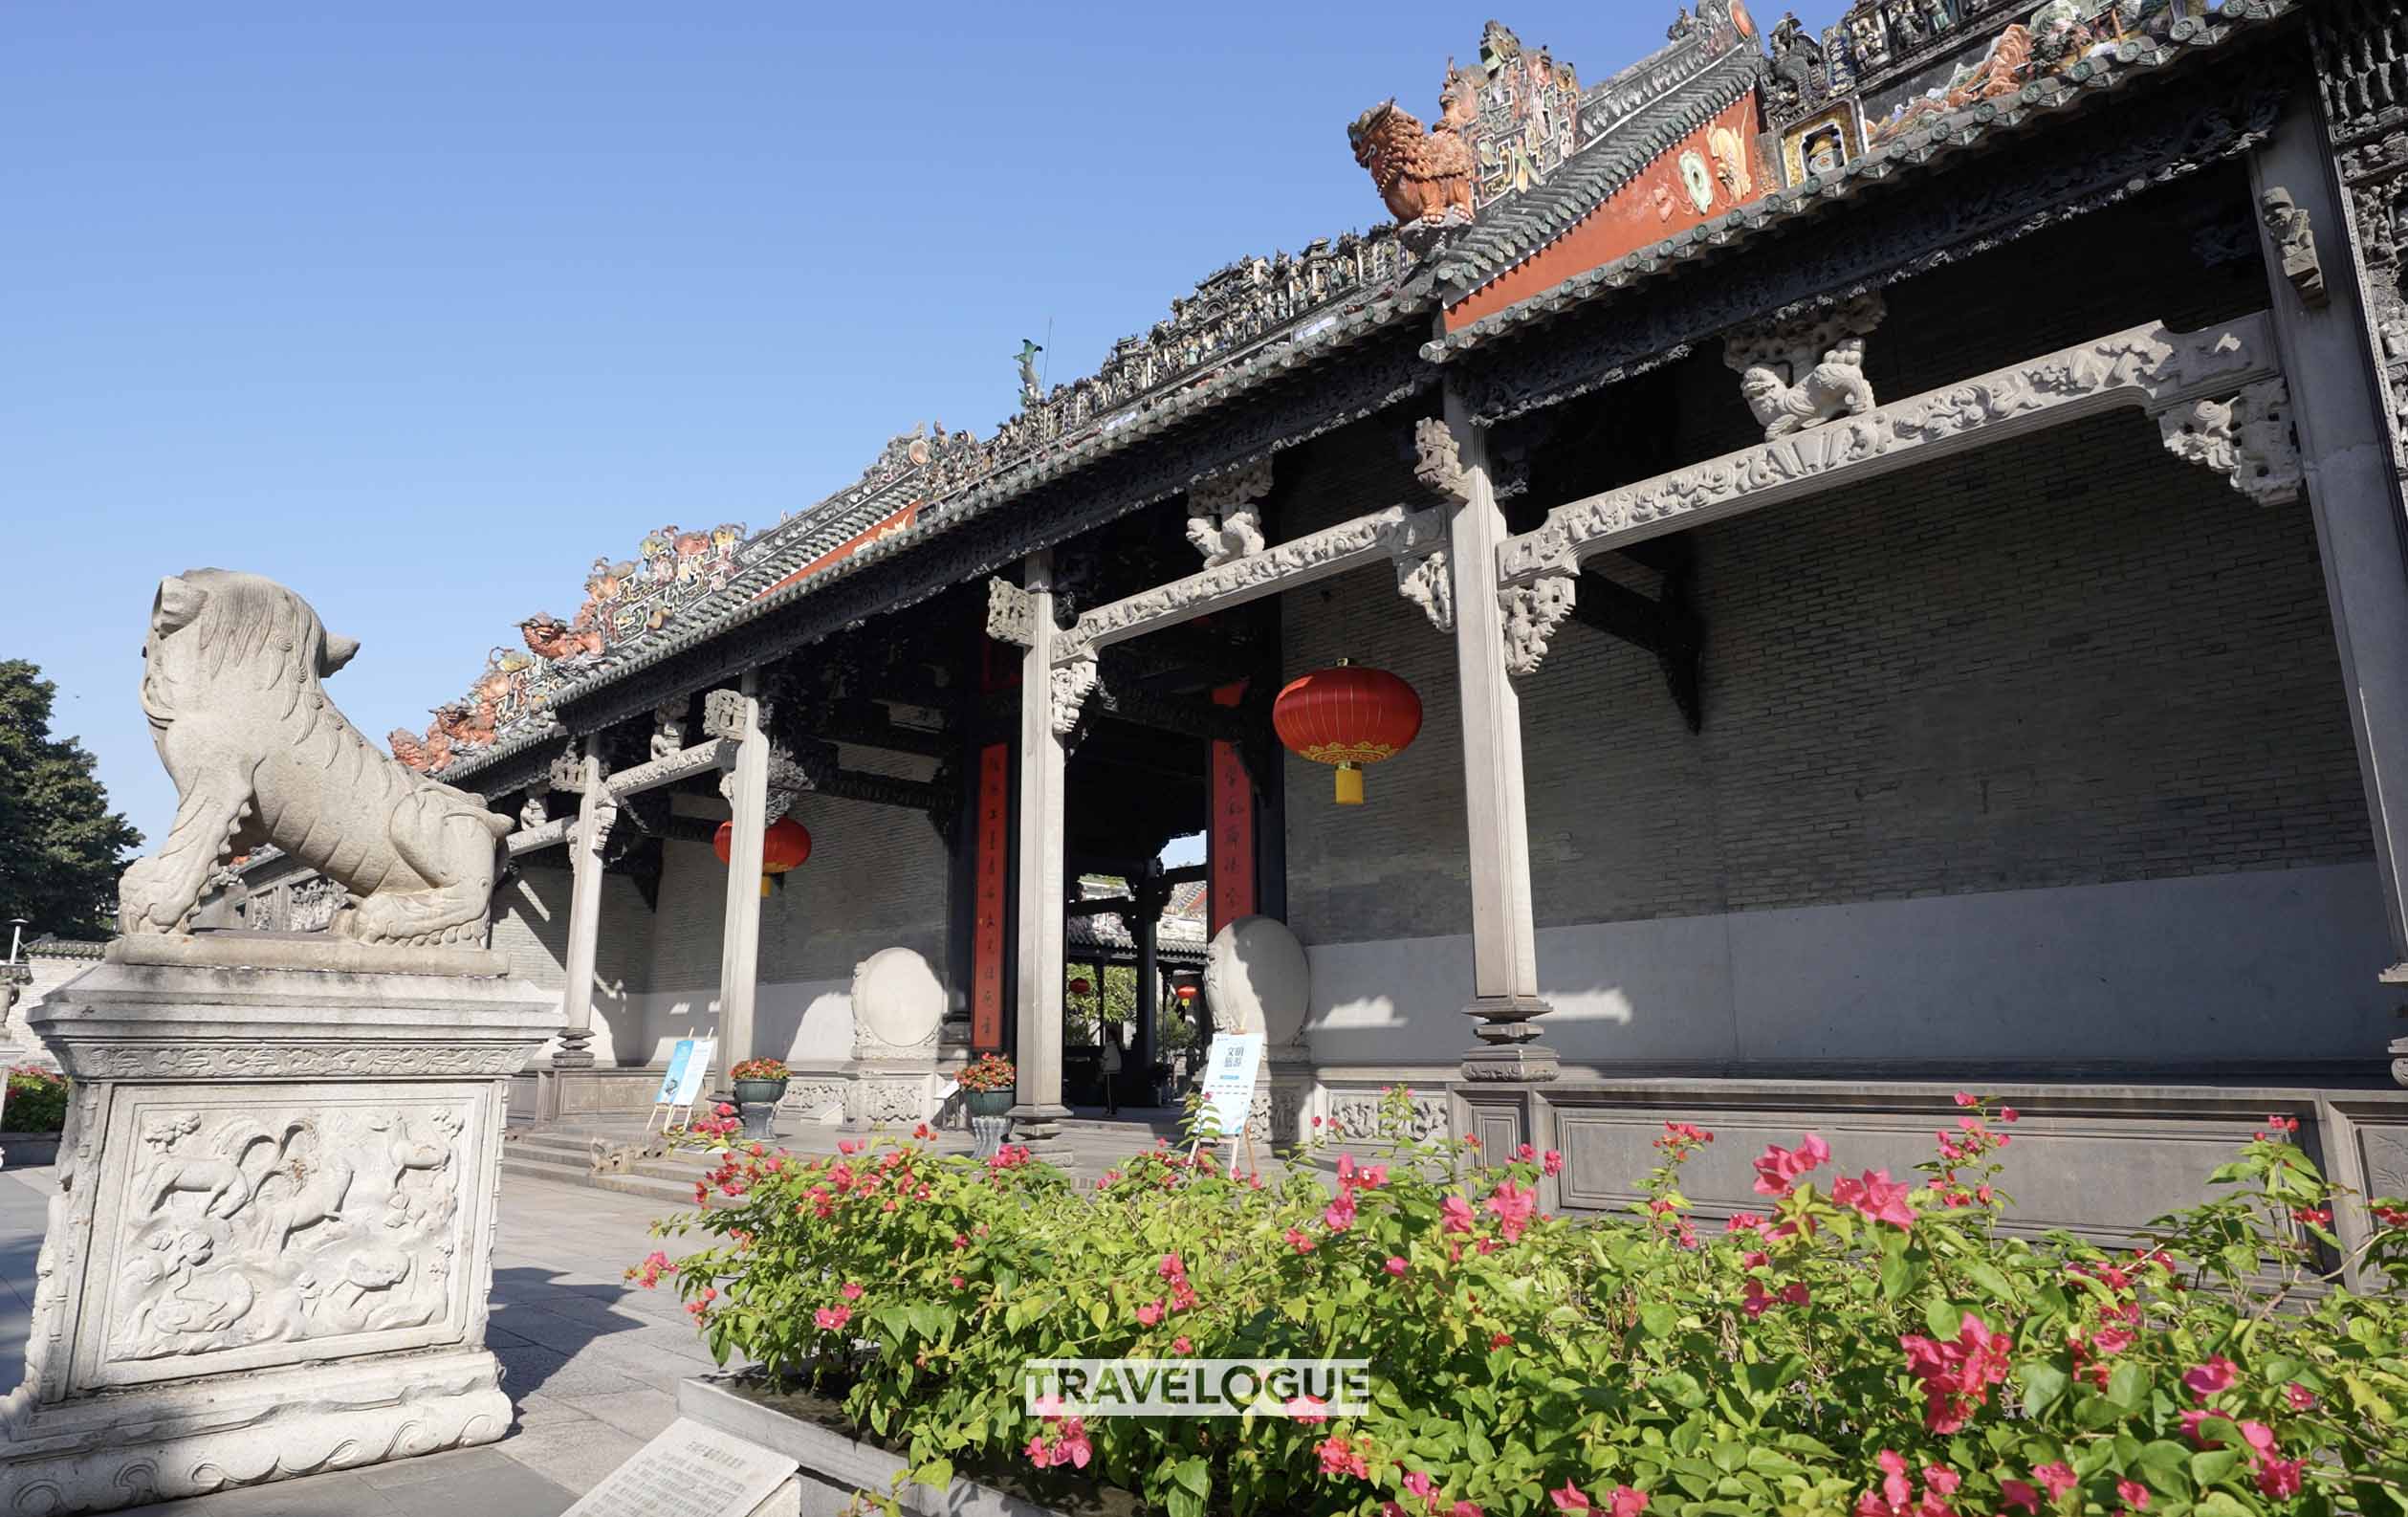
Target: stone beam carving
{"x": 1429, "y": 584}
{"x": 2294, "y": 239}
{"x": 1807, "y": 371}
{"x": 1533, "y": 613}
{"x": 1074, "y": 682}
{"x": 2150, "y": 368}
{"x": 535, "y": 839}
{"x": 1224, "y": 521}
{"x": 1010, "y": 614}
{"x": 231, "y": 671}
{"x": 1315, "y": 556}
{"x": 667, "y": 769}
{"x": 1436, "y": 461}
{"x": 2248, "y": 438}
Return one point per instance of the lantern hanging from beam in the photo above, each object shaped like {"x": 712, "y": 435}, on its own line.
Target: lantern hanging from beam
{"x": 1349, "y": 716}
{"x": 785, "y": 843}
{"x": 1080, "y": 986}
{"x": 1186, "y": 994}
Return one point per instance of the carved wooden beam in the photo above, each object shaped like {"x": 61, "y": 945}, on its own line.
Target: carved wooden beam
{"x": 1398, "y": 530}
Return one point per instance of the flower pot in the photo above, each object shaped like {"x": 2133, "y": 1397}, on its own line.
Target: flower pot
{"x": 757, "y": 1100}
{"x": 988, "y": 1103}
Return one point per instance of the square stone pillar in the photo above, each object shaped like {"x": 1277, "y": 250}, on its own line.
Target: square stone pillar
{"x": 1037, "y": 1110}
{"x": 596, "y": 812}
{"x": 273, "y": 1249}
{"x": 737, "y": 715}
{"x": 1504, "y": 951}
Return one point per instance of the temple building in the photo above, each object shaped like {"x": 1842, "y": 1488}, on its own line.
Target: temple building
{"x": 1842, "y": 568}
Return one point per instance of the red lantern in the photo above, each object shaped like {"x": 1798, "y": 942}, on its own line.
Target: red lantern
{"x": 1080, "y": 986}
{"x": 1349, "y": 716}
{"x": 785, "y": 843}
{"x": 1185, "y": 993}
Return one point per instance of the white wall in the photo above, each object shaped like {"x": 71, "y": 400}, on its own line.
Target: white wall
{"x": 2265, "y": 965}
{"x": 802, "y": 1022}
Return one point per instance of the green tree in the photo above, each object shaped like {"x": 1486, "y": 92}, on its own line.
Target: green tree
{"x": 61, "y": 848}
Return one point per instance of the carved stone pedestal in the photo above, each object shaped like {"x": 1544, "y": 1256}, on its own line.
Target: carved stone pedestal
{"x": 273, "y": 1250}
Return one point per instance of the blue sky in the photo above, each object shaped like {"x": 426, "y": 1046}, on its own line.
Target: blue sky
{"x": 422, "y": 312}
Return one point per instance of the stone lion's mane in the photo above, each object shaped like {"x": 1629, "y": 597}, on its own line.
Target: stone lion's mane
{"x": 249, "y": 628}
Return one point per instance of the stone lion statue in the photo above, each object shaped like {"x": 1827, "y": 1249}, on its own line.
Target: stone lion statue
{"x": 231, "y": 672}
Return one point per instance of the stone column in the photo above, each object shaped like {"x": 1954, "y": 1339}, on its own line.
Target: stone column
{"x": 746, "y": 789}
{"x": 2353, "y": 490}
{"x": 1151, "y": 900}
{"x": 1504, "y": 955}
{"x": 596, "y": 811}
{"x": 1037, "y": 1114}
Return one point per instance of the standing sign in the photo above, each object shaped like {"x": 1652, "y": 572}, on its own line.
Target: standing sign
{"x": 681, "y": 1085}
{"x": 1229, "y": 1078}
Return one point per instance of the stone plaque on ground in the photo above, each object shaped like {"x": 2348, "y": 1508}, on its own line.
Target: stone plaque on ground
{"x": 688, "y": 1471}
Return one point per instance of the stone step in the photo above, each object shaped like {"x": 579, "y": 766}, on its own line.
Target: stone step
{"x": 680, "y": 1166}
{"x": 672, "y": 1195}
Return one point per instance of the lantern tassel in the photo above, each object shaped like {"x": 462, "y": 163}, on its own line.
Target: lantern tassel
{"x": 764, "y": 887}
{"x": 1350, "y": 785}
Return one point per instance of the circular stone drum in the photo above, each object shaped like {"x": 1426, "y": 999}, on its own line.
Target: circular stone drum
{"x": 898, "y": 1001}
{"x": 1256, "y": 980}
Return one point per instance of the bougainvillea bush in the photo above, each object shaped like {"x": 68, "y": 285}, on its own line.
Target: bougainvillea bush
{"x": 1862, "y": 1345}
{"x": 37, "y": 1100}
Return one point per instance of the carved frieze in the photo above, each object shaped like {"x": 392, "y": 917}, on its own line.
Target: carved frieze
{"x": 1354, "y": 1116}
{"x": 187, "y": 1060}
{"x": 533, "y": 810}
{"x": 2248, "y": 438}
{"x": 1011, "y": 614}
{"x": 1533, "y": 613}
{"x": 2152, "y": 367}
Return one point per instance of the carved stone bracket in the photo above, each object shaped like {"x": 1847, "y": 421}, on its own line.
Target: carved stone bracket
{"x": 1429, "y": 584}
{"x": 668, "y": 728}
{"x": 1398, "y": 530}
{"x": 1437, "y": 463}
{"x": 567, "y": 774}
{"x": 1224, "y": 521}
{"x": 1073, "y": 683}
{"x": 1010, "y": 613}
{"x": 2247, "y": 438}
{"x": 2294, "y": 239}
{"x": 723, "y": 714}
{"x": 1533, "y": 613}
{"x": 1806, "y": 372}
{"x": 532, "y": 811}
{"x": 2151, "y": 367}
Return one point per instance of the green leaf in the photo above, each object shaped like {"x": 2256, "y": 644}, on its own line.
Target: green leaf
{"x": 937, "y": 1474}
{"x": 2210, "y": 1465}
{"x": 2042, "y": 1384}
{"x": 1195, "y": 1475}
{"x": 1897, "y": 1276}
{"x": 2129, "y": 1386}
{"x": 1942, "y": 1318}
{"x": 1659, "y": 1319}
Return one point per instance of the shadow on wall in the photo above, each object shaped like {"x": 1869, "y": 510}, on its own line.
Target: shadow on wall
{"x": 805, "y": 1022}
{"x": 2274, "y": 964}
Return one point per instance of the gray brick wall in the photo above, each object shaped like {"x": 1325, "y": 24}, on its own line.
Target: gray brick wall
{"x": 2069, "y": 660}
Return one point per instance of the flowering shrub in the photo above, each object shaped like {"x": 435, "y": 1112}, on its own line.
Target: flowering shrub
{"x": 1865, "y": 1343}
{"x": 37, "y": 1100}
{"x": 759, "y": 1069}
{"x": 991, "y": 1071}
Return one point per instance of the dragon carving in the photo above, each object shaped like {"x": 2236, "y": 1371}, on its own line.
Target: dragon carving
{"x": 231, "y": 672}
{"x": 1423, "y": 177}
{"x": 549, "y": 637}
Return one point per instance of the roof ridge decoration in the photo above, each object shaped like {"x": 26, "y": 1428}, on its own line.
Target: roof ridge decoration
{"x": 676, "y": 578}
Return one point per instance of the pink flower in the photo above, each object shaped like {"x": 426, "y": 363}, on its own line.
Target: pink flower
{"x": 2058, "y": 1477}
{"x": 1967, "y": 1098}
{"x": 2297, "y": 1397}
{"x": 1626, "y": 1502}
{"x": 1396, "y": 1267}
{"x": 1465, "y": 1508}
{"x": 848, "y": 1147}
{"x": 1181, "y": 1345}
{"x": 852, "y": 1291}
{"x": 1172, "y": 1267}
{"x": 2133, "y": 1494}
{"x": 958, "y": 1282}
{"x": 1551, "y": 1162}
{"x": 1957, "y": 1375}
{"x": 1150, "y": 1313}
{"x": 1419, "y": 1483}
{"x": 2019, "y": 1493}
{"x": 1779, "y": 1169}
{"x": 831, "y": 1318}
{"x": 1458, "y": 1216}
{"x": 1513, "y": 1206}
{"x": 2007, "y": 1114}
{"x": 1942, "y": 1479}
{"x": 1308, "y": 1409}
{"x": 2207, "y": 1379}
{"x": 2259, "y": 1437}
{"x": 1339, "y": 1457}
{"x": 1569, "y": 1499}
{"x": 2191, "y": 1421}
{"x": 2279, "y": 1478}
{"x": 1744, "y": 1223}
{"x": 1298, "y": 1240}
{"x": 1338, "y": 1215}
{"x": 1876, "y": 1197}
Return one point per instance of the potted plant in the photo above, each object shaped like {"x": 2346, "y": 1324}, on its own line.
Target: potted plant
{"x": 761, "y": 1084}
{"x": 988, "y": 1084}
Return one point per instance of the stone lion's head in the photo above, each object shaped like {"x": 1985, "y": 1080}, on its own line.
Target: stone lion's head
{"x": 211, "y": 628}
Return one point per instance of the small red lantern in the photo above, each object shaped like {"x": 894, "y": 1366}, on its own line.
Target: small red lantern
{"x": 1080, "y": 986}
{"x": 1185, "y": 993}
{"x": 1349, "y": 716}
{"x": 785, "y": 843}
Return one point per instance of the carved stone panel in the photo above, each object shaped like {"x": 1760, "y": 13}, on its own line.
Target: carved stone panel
{"x": 1354, "y": 1116}
{"x": 234, "y": 1233}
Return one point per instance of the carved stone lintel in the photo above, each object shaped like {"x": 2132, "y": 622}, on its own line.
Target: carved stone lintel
{"x": 1430, "y": 586}
{"x": 1073, "y": 683}
{"x": 2151, "y": 367}
{"x": 723, "y": 714}
{"x": 1437, "y": 462}
{"x": 2247, "y": 438}
{"x": 1806, "y": 372}
{"x": 1532, "y": 613}
{"x": 1011, "y": 614}
{"x": 2294, "y": 239}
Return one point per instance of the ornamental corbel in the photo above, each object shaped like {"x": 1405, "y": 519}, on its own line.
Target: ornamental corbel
{"x": 1430, "y": 586}
{"x": 567, "y": 774}
{"x": 1437, "y": 460}
{"x": 1011, "y": 614}
{"x": 1224, "y": 522}
{"x": 1805, "y": 372}
{"x": 2293, "y": 235}
{"x": 1533, "y": 613}
{"x": 1073, "y": 683}
{"x": 2247, "y": 439}
{"x": 723, "y": 714}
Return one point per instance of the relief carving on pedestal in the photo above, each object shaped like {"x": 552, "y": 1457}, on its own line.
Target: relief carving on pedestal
{"x": 285, "y": 1225}
{"x": 1354, "y": 1116}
